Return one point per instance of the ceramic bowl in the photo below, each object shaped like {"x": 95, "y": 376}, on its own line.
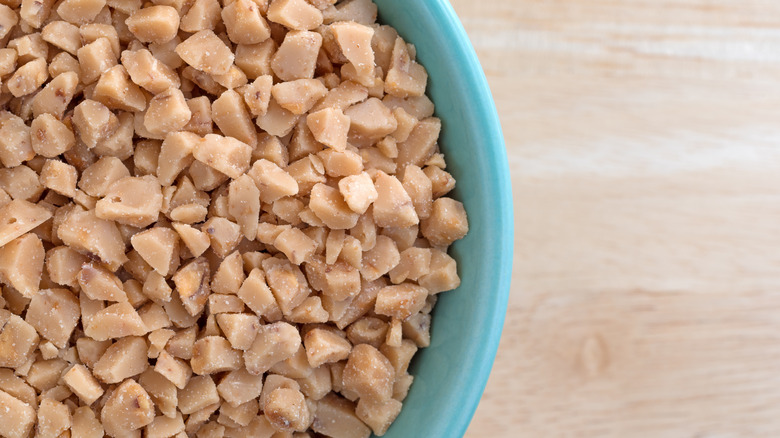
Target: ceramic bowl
{"x": 450, "y": 375}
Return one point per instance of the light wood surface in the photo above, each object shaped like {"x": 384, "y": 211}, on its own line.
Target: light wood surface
{"x": 644, "y": 145}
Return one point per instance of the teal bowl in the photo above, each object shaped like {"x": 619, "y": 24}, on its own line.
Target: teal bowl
{"x": 450, "y": 375}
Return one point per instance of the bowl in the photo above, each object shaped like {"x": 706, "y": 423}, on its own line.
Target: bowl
{"x": 450, "y": 375}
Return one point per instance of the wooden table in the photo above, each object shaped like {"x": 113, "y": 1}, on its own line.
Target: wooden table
{"x": 644, "y": 145}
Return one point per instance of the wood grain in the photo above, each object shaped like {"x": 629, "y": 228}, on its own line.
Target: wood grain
{"x": 644, "y": 144}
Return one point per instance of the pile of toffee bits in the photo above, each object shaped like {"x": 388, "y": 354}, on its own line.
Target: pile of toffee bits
{"x": 217, "y": 219}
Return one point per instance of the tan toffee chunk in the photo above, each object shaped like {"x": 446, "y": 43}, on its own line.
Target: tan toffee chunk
{"x": 206, "y": 52}
{"x": 21, "y": 264}
{"x": 127, "y": 409}
{"x": 286, "y": 410}
{"x": 154, "y": 24}
{"x": 83, "y": 384}
{"x": 18, "y": 340}
{"x": 16, "y": 417}
{"x": 217, "y": 219}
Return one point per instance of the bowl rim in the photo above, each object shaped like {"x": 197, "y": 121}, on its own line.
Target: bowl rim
{"x": 485, "y": 109}
{"x": 486, "y": 115}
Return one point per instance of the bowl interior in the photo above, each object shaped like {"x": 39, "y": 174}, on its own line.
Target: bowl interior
{"x": 451, "y": 374}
